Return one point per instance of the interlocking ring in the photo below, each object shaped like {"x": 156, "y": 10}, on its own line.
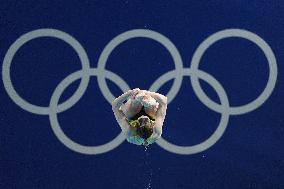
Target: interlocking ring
{"x": 102, "y": 74}
{"x": 241, "y": 34}
{"x": 33, "y": 35}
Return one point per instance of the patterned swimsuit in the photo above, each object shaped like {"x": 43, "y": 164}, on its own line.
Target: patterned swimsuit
{"x": 132, "y": 135}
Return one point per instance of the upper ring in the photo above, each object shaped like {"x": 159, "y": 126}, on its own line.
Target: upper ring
{"x": 33, "y": 35}
{"x": 130, "y": 35}
{"x": 242, "y": 34}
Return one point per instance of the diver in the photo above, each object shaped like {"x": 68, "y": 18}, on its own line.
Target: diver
{"x": 141, "y": 118}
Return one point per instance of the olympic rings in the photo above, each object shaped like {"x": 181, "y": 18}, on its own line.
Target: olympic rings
{"x": 102, "y": 74}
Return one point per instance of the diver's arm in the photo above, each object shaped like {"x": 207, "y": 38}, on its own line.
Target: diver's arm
{"x": 160, "y": 116}
{"x": 158, "y": 127}
{"x": 162, "y": 108}
{"x": 161, "y": 112}
{"x": 118, "y": 102}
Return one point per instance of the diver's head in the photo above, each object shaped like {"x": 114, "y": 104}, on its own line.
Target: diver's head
{"x": 145, "y": 127}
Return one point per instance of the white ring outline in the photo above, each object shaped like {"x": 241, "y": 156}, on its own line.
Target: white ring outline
{"x": 236, "y": 110}
{"x": 65, "y": 140}
{"x": 33, "y": 35}
{"x": 102, "y": 74}
{"x": 186, "y": 150}
{"x": 142, "y": 33}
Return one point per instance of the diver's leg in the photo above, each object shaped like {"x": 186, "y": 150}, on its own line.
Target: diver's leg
{"x": 150, "y": 105}
{"x": 131, "y": 107}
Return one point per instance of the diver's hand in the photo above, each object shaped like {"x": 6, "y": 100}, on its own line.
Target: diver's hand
{"x": 135, "y": 92}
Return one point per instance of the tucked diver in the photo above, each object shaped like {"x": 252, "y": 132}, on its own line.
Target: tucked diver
{"x": 141, "y": 117}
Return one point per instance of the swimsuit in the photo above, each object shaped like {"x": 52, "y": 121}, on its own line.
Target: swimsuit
{"x": 132, "y": 135}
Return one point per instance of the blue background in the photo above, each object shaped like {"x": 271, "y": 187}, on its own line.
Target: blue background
{"x": 250, "y": 154}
